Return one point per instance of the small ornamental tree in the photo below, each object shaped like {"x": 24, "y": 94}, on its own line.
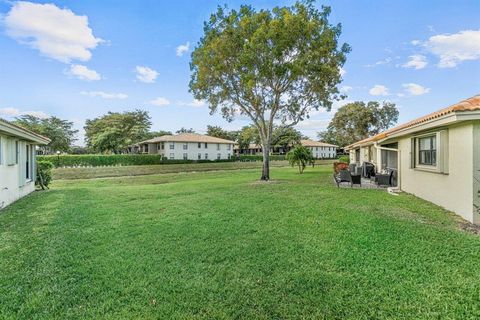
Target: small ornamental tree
{"x": 300, "y": 156}
{"x": 44, "y": 173}
{"x": 271, "y": 66}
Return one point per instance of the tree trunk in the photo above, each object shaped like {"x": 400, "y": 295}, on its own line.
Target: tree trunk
{"x": 266, "y": 162}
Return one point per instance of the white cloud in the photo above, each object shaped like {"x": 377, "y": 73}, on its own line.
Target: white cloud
{"x": 417, "y": 62}
{"x": 379, "y": 90}
{"x": 415, "y": 89}
{"x": 145, "y": 74}
{"x": 415, "y": 42}
{"x": 104, "y": 95}
{"x": 345, "y": 89}
{"x": 453, "y": 49}
{"x": 313, "y": 124}
{"x": 181, "y": 49}
{"x": 194, "y": 103}
{"x": 14, "y": 112}
{"x": 160, "y": 102}
{"x": 380, "y": 62}
{"x": 83, "y": 73}
{"x": 342, "y": 72}
{"x": 57, "y": 33}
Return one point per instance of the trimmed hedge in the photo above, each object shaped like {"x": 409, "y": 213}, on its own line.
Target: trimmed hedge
{"x": 254, "y": 157}
{"x": 110, "y": 160}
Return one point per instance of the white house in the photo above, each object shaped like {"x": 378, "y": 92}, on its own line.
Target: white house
{"x": 17, "y": 161}
{"x": 189, "y": 146}
{"x": 320, "y": 150}
{"x": 437, "y": 157}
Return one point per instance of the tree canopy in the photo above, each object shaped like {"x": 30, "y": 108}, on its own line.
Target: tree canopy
{"x": 114, "y": 131}
{"x": 219, "y": 132}
{"x": 60, "y": 132}
{"x": 268, "y": 65}
{"x": 184, "y": 130}
{"x": 358, "y": 120}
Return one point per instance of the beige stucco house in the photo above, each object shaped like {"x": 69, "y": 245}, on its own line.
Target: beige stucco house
{"x": 437, "y": 157}
{"x": 17, "y": 162}
{"x": 188, "y": 146}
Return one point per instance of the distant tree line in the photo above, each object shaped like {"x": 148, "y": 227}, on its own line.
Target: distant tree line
{"x": 114, "y": 131}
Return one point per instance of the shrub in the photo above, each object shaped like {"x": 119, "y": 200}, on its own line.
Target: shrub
{"x": 345, "y": 159}
{"x": 300, "y": 156}
{"x": 44, "y": 172}
{"x": 337, "y": 166}
{"x": 99, "y": 160}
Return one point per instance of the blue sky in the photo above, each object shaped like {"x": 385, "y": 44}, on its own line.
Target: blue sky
{"x": 80, "y": 59}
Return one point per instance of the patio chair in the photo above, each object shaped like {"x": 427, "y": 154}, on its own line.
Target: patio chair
{"x": 385, "y": 179}
{"x": 345, "y": 176}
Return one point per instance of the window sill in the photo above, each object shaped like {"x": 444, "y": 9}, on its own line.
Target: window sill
{"x": 430, "y": 169}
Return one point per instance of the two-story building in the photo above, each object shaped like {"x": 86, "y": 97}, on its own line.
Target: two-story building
{"x": 320, "y": 150}
{"x": 188, "y": 146}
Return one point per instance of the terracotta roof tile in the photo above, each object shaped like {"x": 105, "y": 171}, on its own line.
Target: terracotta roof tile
{"x": 470, "y": 104}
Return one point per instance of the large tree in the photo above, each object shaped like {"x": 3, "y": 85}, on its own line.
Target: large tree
{"x": 219, "y": 132}
{"x": 184, "y": 130}
{"x": 268, "y": 65}
{"x": 60, "y": 132}
{"x": 285, "y": 137}
{"x": 154, "y": 134}
{"x": 114, "y": 131}
{"x": 358, "y": 120}
{"x": 248, "y": 135}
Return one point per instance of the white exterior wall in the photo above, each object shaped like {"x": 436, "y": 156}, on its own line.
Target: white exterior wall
{"x": 324, "y": 152}
{"x": 476, "y": 173}
{"x": 193, "y": 150}
{"x": 453, "y": 191}
{"x": 11, "y": 186}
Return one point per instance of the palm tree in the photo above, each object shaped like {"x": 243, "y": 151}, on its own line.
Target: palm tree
{"x": 300, "y": 156}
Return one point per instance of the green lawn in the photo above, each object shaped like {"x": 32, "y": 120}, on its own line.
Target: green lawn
{"x": 221, "y": 245}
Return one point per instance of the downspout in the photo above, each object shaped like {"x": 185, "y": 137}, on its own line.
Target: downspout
{"x": 398, "y": 188}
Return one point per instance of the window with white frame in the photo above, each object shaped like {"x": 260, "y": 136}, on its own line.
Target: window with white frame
{"x": 199, "y": 145}
{"x": 427, "y": 151}
{"x": 172, "y": 156}
{"x": 228, "y": 156}
{"x": 229, "y": 147}
{"x": 28, "y": 162}
{"x": 185, "y": 146}
{"x": 172, "y": 145}
{"x": 218, "y": 146}
{"x": 17, "y": 151}
{"x": 199, "y": 156}
{"x": 219, "y": 156}
{"x": 163, "y": 145}
{"x": 185, "y": 156}
{"x": 206, "y": 156}
{"x": 206, "y": 145}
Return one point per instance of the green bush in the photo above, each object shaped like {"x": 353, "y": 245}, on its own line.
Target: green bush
{"x": 99, "y": 160}
{"x": 345, "y": 159}
{"x": 44, "y": 172}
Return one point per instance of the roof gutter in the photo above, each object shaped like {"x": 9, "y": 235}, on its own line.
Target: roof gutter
{"x": 17, "y": 131}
